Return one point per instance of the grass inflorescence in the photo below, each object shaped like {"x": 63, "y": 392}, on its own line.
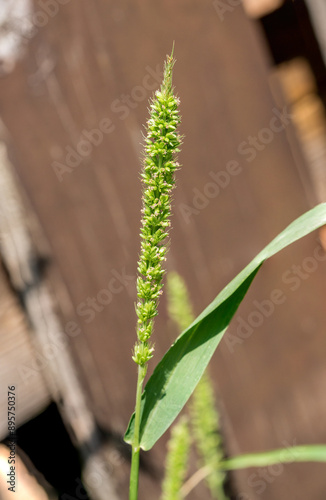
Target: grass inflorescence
{"x": 161, "y": 147}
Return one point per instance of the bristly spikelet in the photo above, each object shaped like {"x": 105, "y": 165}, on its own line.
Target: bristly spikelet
{"x": 178, "y": 301}
{"x": 205, "y": 423}
{"x": 205, "y": 418}
{"x": 177, "y": 461}
{"x": 161, "y": 147}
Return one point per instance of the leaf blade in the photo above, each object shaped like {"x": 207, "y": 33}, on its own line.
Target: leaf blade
{"x": 177, "y": 374}
{"x": 301, "y": 453}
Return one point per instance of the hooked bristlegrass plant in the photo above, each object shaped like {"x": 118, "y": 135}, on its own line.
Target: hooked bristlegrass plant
{"x": 179, "y": 371}
{"x": 203, "y": 411}
{"x": 161, "y": 147}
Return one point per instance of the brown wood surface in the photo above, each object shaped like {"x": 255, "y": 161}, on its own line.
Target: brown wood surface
{"x": 16, "y": 352}
{"x": 75, "y": 69}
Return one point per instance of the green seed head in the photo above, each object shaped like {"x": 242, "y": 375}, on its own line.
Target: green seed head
{"x": 158, "y": 176}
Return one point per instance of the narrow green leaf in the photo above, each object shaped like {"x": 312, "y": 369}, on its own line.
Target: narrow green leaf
{"x": 181, "y": 368}
{"x": 303, "y": 453}
{"x": 205, "y": 419}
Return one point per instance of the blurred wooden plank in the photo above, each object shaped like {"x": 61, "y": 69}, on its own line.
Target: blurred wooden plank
{"x": 79, "y": 69}
{"x": 26, "y": 488}
{"x": 259, "y": 8}
{"x": 17, "y": 349}
{"x": 308, "y": 115}
{"x": 36, "y": 360}
{"x": 317, "y": 9}
{"x": 16, "y": 352}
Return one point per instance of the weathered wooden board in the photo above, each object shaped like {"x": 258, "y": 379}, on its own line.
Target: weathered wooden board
{"x": 96, "y": 61}
{"x": 16, "y": 352}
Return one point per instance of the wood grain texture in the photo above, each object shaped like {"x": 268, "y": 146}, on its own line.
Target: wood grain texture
{"x": 77, "y": 70}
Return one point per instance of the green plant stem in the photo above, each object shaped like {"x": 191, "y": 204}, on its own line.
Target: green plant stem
{"x": 135, "y": 448}
{"x": 161, "y": 147}
{"x": 304, "y": 453}
{"x": 195, "y": 479}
